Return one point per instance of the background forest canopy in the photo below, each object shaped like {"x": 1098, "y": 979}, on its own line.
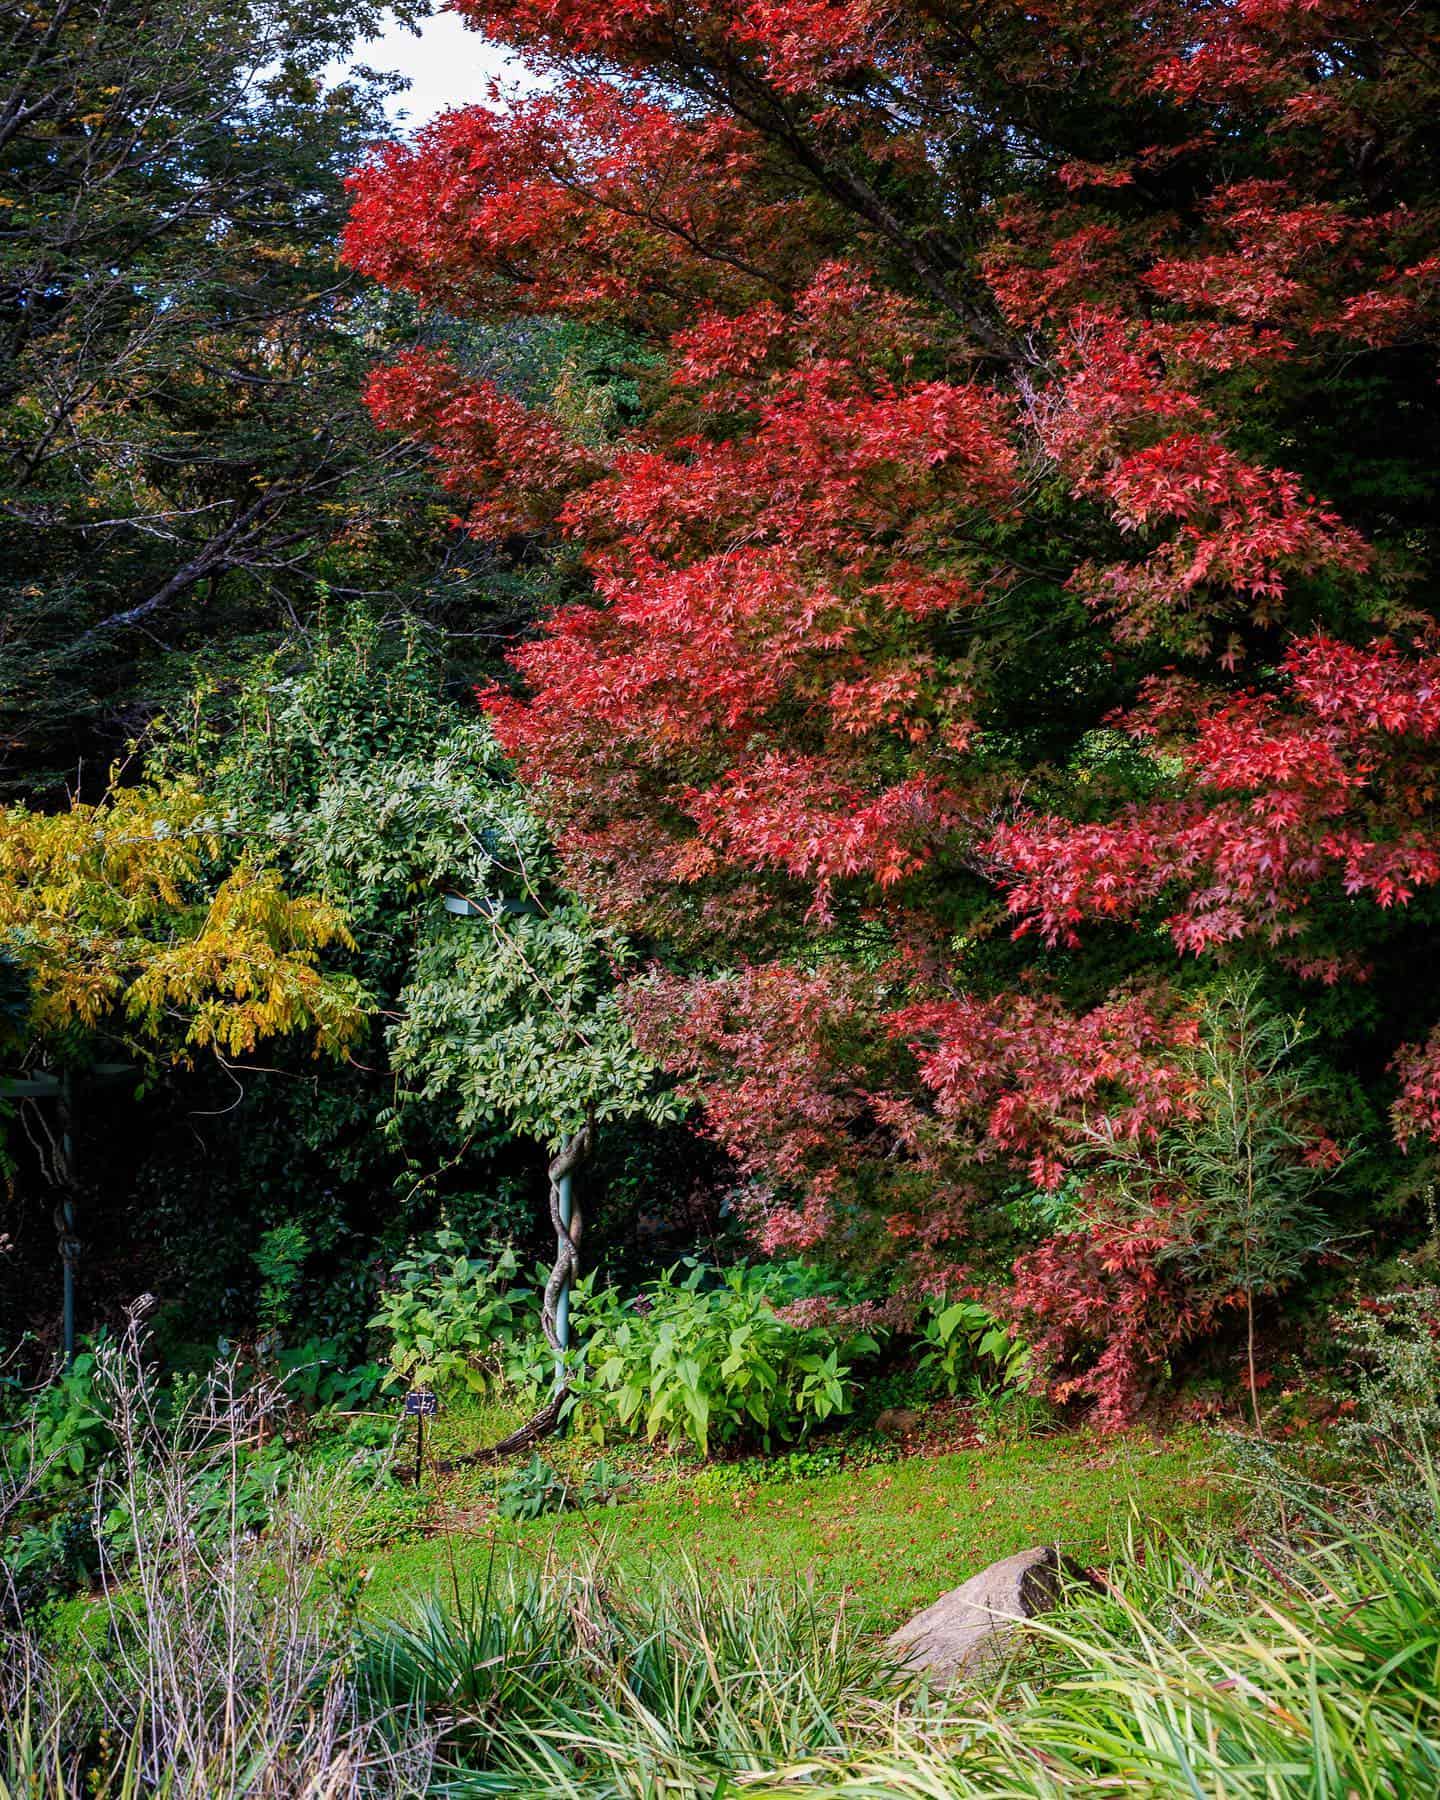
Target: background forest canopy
{"x": 937, "y": 506}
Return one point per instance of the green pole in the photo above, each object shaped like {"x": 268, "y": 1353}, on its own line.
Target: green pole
{"x": 562, "y": 1306}
{"x": 68, "y": 1301}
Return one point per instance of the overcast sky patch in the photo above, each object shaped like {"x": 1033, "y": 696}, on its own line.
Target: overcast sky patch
{"x": 447, "y": 66}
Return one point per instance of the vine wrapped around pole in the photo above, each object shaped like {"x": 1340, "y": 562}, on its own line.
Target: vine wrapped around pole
{"x": 576, "y": 1150}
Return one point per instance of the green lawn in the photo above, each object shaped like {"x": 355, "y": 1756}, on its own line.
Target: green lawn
{"x": 890, "y": 1538}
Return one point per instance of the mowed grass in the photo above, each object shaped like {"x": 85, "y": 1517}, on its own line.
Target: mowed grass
{"x": 888, "y": 1539}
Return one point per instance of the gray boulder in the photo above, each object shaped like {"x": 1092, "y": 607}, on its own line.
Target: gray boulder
{"x": 975, "y": 1623}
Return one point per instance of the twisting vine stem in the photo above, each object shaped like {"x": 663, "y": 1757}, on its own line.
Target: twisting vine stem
{"x": 576, "y": 1150}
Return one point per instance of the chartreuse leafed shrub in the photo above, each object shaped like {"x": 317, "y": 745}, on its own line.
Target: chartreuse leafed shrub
{"x": 707, "y": 1362}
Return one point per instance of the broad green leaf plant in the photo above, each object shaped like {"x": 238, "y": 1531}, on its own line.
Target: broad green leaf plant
{"x": 451, "y": 1318}
{"x": 964, "y": 1343}
{"x": 706, "y": 1363}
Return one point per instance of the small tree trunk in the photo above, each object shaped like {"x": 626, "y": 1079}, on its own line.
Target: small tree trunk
{"x": 1250, "y": 1359}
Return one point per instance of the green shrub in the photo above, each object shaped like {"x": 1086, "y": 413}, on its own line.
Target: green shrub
{"x": 68, "y": 1426}
{"x": 278, "y": 1261}
{"x": 450, "y": 1317}
{"x": 965, "y": 1345}
{"x": 44, "y": 1562}
{"x": 786, "y": 1466}
{"x": 1394, "y": 1343}
{"x": 1246, "y": 1180}
{"x": 705, "y": 1362}
{"x": 317, "y": 1375}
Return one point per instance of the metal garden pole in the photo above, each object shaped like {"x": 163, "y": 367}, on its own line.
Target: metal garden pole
{"x": 562, "y": 1306}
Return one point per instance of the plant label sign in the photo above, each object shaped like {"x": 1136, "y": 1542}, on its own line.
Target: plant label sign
{"x": 422, "y": 1404}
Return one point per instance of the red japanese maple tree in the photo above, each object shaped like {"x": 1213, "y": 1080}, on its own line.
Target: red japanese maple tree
{"x": 1016, "y": 599}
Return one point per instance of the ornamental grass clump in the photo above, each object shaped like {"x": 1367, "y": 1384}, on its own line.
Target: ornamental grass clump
{"x": 214, "y": 1661}
{"x": 579, "y": 1681}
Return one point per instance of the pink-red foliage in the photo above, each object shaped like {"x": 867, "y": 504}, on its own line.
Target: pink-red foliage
{"x": 968, "y": 573}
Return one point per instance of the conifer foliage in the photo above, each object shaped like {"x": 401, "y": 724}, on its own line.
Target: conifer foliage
{"x": 1017, "y": 599}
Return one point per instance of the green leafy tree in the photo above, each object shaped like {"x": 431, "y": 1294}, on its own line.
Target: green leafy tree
{"x": 360, "y": 766}
{"x": 355, "y": 769}
{"x": 184, "y": 452}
